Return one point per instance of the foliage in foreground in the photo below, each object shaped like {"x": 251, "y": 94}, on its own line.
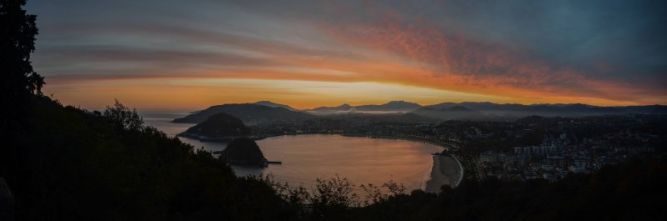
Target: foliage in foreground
{"x": 75, "y": 164}
{"x": 80, "y": 165}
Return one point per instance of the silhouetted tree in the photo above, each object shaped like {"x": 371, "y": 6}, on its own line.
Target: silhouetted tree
{"x": 332, "y": 197}
{"x": 19, "y": 80}
{"x": 123, "y": 117}
{"x": 17, "y": 42}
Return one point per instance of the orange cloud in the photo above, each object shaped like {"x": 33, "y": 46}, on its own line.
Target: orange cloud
{"x": 395, "y": 55}
{"x": 457, "y": 63}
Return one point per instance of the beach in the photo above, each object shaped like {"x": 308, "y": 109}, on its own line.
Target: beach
{"x": 447, "y": 170}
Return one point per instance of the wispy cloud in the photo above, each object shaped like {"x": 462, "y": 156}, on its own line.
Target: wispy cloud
{"x": 602, "y": 52}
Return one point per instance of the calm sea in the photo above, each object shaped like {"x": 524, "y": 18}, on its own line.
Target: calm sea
{"x": 305, "y": 158}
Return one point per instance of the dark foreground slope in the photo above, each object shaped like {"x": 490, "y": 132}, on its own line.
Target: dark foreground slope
{"x": 78, "y": 165}
{"x": 633, "y": 190}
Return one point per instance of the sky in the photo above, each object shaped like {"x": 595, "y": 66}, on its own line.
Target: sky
{"x": 168, "y": 54}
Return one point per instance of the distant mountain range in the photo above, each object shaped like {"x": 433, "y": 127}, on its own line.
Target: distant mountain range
{"x": 487, "y": 106}
{"x": 488, "y": 110}
{"x": 390, "y": 107}
{"x": 271, "y": 104}
{"x": 267, "y": 112}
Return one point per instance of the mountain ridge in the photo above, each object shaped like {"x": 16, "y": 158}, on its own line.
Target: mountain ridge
{"x": 391, "y": 106}
{"x": 250, "y": 114}
{"x": 266, "y": 112}
{"x": 489, "y": 110}
{"x": 220, "y": 126}
{"x": 273, "y": 104}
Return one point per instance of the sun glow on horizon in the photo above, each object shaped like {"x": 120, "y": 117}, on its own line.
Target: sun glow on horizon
{"x": 313, "y": 56}
{"x": 199, "y": 93}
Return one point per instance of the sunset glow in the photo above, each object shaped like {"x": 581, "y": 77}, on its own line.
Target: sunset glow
{"x": 304, "y": 54}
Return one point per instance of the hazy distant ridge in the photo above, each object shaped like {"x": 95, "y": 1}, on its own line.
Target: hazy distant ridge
{"x": 264, "y": 112}
{"x": 250, "y": 114}
{"x": 488, "y": 110}
{"x": 389, "y": 107}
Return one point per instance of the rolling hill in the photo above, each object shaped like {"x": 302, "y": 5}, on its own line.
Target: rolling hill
{"x": 389, "y": 107}
{"x": 489, "y": 111}
{"x": 250, "y": 114}
{"x": 220, "y": 126}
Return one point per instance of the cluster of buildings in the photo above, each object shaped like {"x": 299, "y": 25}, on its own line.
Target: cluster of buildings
{"x": 556, "y": 157}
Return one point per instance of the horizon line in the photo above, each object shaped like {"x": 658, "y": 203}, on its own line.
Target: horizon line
{"x": 387, "y": 102}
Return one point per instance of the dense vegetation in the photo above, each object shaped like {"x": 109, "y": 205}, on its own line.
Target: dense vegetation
{"x": 83, "y": 165}
{"x": 631, "y": 191}
{"x": 65, "y": 163}
{"x": 75, "y": 164}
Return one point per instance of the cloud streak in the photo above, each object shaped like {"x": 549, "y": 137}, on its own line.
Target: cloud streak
{"x": 460, "y": 62}
{"x": 518, "y": 51}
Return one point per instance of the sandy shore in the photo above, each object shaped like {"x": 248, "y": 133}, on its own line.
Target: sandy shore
{"x": 447, "y": 170}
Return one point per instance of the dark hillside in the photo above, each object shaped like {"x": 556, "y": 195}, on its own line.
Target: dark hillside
{"x": 220, "y": 126}
{"x": 630, "y": 191}
{"x": 250, "y": 114}
{"x": 79, "y": 165}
